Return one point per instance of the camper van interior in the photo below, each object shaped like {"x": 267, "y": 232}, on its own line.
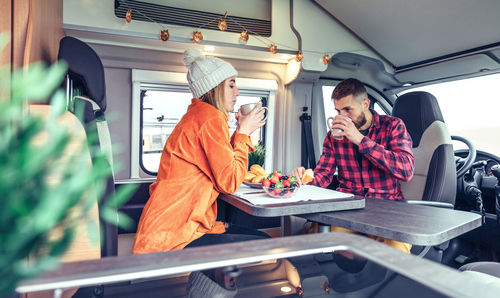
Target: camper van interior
{"x": 433, "y": 64}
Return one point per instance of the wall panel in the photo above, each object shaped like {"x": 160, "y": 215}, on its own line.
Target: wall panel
{"x": 5, "y": 27}
{"x": 46, "y": 31}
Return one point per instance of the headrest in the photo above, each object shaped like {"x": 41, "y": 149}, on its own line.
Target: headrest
{"x": 85, "y": 67}
{"x": 418, "y": 110}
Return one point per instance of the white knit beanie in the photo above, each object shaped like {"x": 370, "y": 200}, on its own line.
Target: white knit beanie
{"x": 204, "y": 73}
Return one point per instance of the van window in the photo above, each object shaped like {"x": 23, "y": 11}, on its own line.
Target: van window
{"x": 162, "y": 108}
{"x": 330, "y": 108}
{"x": 328, "y": 103}
{"x": 159, "y": 117}
{"x": 470, "y": 110}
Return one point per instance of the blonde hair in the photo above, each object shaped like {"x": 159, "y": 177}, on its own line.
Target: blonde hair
{"x": 215, "y": 97}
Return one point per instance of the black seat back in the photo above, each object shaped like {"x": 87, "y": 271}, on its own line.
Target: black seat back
{"x": 435, "y": 175}
{"x": 84, "y": 68}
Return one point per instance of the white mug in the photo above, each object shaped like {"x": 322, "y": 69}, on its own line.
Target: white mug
{"x": 247, "y": 108}
{"x": 335, "y": 130}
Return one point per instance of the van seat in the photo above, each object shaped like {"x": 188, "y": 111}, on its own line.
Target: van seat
{"x": 125, "y": 244}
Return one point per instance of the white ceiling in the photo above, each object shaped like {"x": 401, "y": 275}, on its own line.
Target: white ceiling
{"x": 405, "y": 32}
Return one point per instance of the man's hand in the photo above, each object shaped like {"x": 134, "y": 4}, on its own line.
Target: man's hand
{"x": 349, "y": 129}
{"x": 298, "y": 172}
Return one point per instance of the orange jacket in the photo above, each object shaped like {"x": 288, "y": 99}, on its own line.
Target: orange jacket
{"x": 198, "y": 162}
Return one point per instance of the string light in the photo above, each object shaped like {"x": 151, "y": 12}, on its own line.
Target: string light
{"x": 299, "y": 56}
{"x": 273, "y": 48}
{"x": 128, "y": 16}
{"x": 326, "y": 59}
{"x": 244, "y": 36}
{"x": 197, "y": 36}
{"x": 222, "y": 25}
{"x": 164, "y": 35}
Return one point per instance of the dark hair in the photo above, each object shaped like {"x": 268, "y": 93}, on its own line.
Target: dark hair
{"x": 348, "y": 87}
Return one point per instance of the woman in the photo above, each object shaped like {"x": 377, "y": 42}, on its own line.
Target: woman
{"x": 198, "y": 162}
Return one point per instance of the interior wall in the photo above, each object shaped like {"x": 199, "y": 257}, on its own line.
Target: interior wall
{"x": 5, "y": 28}
{"x": 299, "y": 95}
{"x": 118, "y": 113}
{"x": 118, "y": 64}
{"x": 48, "y": 31}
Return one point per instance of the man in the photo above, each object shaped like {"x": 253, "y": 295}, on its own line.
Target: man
{"x": 375, "y": 151}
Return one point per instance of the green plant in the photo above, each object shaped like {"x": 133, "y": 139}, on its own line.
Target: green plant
{"x": 37, "y": 189}
{"x": 258, "y": 156}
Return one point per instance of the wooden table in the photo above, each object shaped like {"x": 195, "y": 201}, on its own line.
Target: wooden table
{"x": 414, "y": 224}
{"x": 295, "y": 208}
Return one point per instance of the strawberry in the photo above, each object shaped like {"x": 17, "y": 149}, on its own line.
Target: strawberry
{"x": 266, "y": 183}
{"x": 286, "y": 183}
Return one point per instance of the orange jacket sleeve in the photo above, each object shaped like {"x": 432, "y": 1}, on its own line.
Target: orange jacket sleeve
{"x": 228, "y": 162}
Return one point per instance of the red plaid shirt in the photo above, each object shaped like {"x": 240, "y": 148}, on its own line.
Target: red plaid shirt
{"x": 386, "y": 157}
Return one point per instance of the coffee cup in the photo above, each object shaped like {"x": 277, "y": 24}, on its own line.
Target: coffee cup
{"x": 329, "y": 122}
{"x": 247, "y": 108}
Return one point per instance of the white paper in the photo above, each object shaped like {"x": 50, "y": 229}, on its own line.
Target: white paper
{"x": 305, "y": 193}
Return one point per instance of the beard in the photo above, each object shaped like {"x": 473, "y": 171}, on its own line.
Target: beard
{"x": 360, "y": 120}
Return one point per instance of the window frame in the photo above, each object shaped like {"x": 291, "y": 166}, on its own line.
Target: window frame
{"x": 152, "y": 87}
{"x": 172, "y": 81}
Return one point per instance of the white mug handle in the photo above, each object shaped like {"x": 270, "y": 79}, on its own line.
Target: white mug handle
{"x": 328, "y": 123}
{"x": 267, "y": 112}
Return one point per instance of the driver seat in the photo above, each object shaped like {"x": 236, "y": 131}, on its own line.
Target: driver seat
{"x": 434, "y": 179}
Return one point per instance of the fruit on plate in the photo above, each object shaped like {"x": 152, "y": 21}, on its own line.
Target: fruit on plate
{"x": 258, "y": 170}
{"x": 248, "y": 176}
{"x": 258, "y": 179}
{"x": 256, "y": 174}
{"x": 278, "y": 185}
{"x": 308, "y": 176}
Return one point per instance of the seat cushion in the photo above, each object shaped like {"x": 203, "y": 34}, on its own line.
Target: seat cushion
{"x": 490, "y": 268}
{"x": 125, "y": 243}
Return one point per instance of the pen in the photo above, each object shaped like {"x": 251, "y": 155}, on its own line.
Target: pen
{"x": 253, "y": 192}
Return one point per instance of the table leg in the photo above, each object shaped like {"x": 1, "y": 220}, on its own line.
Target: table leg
{"x": 292, "y": 225}
{"x": 57, "y": 293}
{"x": 322, "y": 228}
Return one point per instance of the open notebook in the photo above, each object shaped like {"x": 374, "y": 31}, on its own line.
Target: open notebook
{"x": 305, "y": 193}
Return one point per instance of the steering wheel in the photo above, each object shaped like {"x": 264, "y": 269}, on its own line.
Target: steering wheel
{"x": 464, "y": 164}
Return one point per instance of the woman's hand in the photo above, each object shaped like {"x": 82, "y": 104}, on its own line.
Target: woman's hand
{"x": 250, "y": 122}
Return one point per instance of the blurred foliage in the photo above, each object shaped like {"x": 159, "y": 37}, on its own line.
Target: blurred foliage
{"x": 32, "y": 204}
{"x": 258, "y": 156}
